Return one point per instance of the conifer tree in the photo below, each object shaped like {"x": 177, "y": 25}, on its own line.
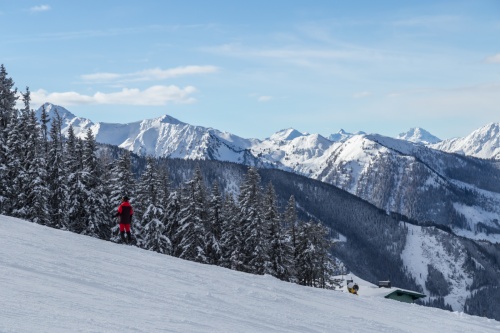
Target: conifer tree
{"x": 191, "y": 232}
{"x": 213, "y": 233}
{"x": 291, "y": 223}
{"x": 171, "y": 221}
{"x": 8, "y": 111}
{"x": 58, "y": 191}
{"x": 97, "y": 222}
{"x": 34, "y": 182}
{"x": 280, "y": 251}
{"x": 314, "y": 265}
{"x": 150, "y": 198}
{"x": 254, "y": 229}
{"x": 14, "y": 197}
{"x": 44, "y": 120}
{"x": 231, "y": 238}
{"x": 76, "y": 196}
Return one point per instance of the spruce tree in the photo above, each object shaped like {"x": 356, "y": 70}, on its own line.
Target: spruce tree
{"x": 97, "y": 222}
{"x": 14, "y": 197}
{"x": 314, "y": 263}
{"x": 254, "y": 253}
{"x": 76, "y": 192}
{"x": 193, "y": 215}
{"x": 150, "y": 199}
{"x": 8, "y": 111}
{"x": 34, "y": 167}
{"x": 291, "y": 223}
{"x": 213, "y": 233}
{"x": 280, "y": 252}
{"x": 231, "y": 238}
{"x": 58, "y": 191}
{"x": 171, "y": 221}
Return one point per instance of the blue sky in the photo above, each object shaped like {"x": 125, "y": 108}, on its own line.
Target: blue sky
{"x": 255, "y": 67}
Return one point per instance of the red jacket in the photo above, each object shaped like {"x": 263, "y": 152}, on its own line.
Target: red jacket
{"x": 125, "y": 213}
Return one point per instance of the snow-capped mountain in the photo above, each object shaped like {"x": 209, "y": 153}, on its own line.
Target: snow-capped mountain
{"x": 421, "y": 183}
{"x": 57, "y": 281}
{"x": 395, "y": 175}
{"x": 163, "y": 136}
{"x": 419, "y": 135}
{"x": 342, "y": 136}
{"x": 483, "y": 143}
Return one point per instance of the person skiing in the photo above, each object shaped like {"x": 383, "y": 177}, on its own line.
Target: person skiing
{"x": 125, "y": 212}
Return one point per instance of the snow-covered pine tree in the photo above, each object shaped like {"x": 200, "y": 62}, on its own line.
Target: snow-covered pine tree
{"x": 150, "y": 234}
{"x": 171, "y": 221}
{"x": 291, "y": 223}
{"x": 231, "y": 238}
{"x": 14, "y": 197}
{"x": 314, "y": 266}
{"x": 280, "y": 250}
{"x": 8, "y": 98}
{"x": 56, "y": 179}
{"x": 34, "y": 182}
{"x": 122, "y": 183}
{"x": 97, "y": 221}
{"x": 44, "y": 120}
{"x": 214, "y": 226}
{"x": 254, "y": 229}
{"x": 77, "y": 207}
{"x": 193, "y": 216}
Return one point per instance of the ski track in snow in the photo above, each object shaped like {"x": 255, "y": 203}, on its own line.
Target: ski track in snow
{"x": 56, "y": 281}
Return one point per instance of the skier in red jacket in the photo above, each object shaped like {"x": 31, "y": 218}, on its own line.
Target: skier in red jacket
{"x": 125, "y": 212}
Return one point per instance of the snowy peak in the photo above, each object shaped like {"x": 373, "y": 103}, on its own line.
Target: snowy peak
{"x": 51, "y": 110}
{"x": 286, "y": 134}
{"x": 162, "y": 136}
{"x": 340, "y": 136}
{"x": 80, "y": 125}
{"x": 419, "y": 135}
{"x": 483, "y": 143}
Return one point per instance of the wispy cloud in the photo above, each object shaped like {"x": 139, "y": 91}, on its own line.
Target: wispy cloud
{"x": 280, "y": 53}
{"x": 429, "y": 21}
{"x": 154, "y": 74}
{"x": 41, "y": 8}
{"x": 264, "y": 98}
{"x": 494, "y": 59}
{"x": 361, "y": 94}
{"x": 153, "y": 96}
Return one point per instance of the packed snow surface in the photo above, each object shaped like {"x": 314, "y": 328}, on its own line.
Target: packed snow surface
{"x": 55, "y": 281}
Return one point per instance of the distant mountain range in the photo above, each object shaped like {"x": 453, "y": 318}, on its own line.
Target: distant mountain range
{"x": 414, "y": 174}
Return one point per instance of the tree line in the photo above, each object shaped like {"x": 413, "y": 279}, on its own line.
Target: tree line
{"x": 66, "y": 183}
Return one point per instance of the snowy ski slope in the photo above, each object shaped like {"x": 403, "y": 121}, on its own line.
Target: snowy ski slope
{"x": 56, "y": 281}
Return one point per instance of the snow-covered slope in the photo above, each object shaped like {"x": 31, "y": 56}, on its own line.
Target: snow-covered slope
{"x": 421, "y": 183}
{"x": 432, "y": 247}
{"x": 483, "y": 143}
{"x": 418, "y": 135}
{"x": 55, "y": 281}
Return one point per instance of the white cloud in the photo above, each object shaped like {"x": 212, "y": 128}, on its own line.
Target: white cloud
{"x": 153, "y": 96}
{"x": 41, "y": 8}
{"x": 362, "y": 94}
{"x": 149, "y": 74}
{"x": 494, "y": 59}
{"x": 264, "y": 98}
